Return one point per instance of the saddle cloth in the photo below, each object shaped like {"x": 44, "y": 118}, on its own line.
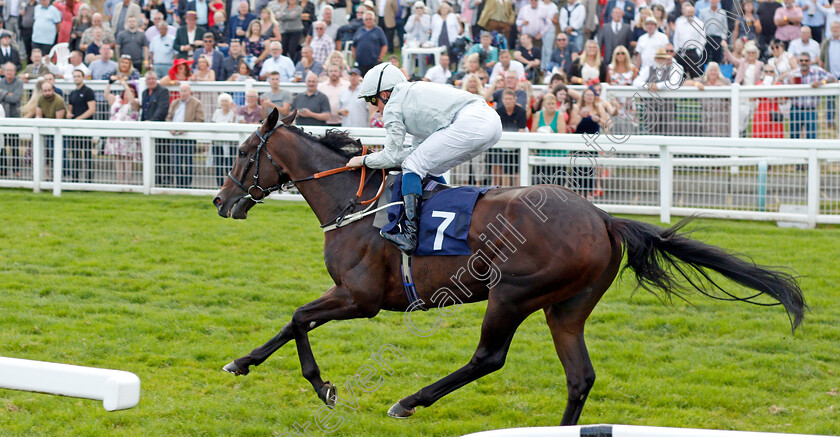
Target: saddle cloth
{"x": 445, "y": 215}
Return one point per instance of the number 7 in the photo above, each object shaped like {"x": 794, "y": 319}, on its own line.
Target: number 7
{"x": 448, "y": 217}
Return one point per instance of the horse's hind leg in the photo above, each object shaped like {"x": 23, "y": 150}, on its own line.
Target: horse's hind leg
{"x": 571, "y": 348}
{"x": 500, "y": 323}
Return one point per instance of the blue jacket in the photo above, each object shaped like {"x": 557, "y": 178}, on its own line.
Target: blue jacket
{"x": 218, "y": 61}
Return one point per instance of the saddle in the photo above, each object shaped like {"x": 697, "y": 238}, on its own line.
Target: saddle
{"x": 430, "y": 188}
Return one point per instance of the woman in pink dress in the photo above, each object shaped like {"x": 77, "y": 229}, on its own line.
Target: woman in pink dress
{"x": 68, "y": 9}
{"x": 126, "y": 107}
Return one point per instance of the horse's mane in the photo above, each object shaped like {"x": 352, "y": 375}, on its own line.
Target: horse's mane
{"x": 336, "y": 140}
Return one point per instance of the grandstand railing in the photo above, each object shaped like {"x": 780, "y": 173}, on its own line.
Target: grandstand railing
{"x": 735, "y": 178}
{"x": 731, "y": 111}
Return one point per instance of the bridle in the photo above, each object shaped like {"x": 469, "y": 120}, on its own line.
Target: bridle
{"x": 256, "y": 193}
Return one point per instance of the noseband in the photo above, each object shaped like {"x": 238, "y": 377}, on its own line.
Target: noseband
{"x": 256, "y": 189}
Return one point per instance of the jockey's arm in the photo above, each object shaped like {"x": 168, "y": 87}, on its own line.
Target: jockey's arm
{"x": 393, "y": 154}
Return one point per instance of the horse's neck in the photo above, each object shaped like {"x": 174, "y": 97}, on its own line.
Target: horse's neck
{"x": 330, "y": 195}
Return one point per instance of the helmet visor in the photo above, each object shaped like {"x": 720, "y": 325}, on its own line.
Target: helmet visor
{"x": 371, "y": 99}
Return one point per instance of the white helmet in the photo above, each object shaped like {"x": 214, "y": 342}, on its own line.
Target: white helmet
{"x": 383, "y": 77}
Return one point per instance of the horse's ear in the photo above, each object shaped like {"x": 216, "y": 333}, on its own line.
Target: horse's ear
{"x": 271, "y": 121}
{"x": 289, "y": 120}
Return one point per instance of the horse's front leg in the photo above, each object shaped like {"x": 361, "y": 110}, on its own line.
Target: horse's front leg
{"x": 336, "y": 304}
{"x": 240, "y": 366}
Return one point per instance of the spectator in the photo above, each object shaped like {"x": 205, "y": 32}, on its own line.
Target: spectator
{"x": 219, "y": 32}
{"x": 621, "y": 70}
{"x": 472, "y": 67}
{"x": 639, "y": 27}
{"x": 270, "y": 26}
{"x": 354, "y": 111}
{"x": 805, "y": 44}
{"x": 395, "y": 61}
{"x": 749, "y": 68}
{"x": 104, "y": 67}
{"x": 487, "y": 54}
{"x": 155, "y": 99}
{"x": 27, "y": 21}
{"x": 688, "y": 39}
{"x": 250, "y": 112}
{"x": 497, "y": 16}
{"x": 187, "y": 109}
{"x": 75, "y": 63}
{"x": 162, "y": 50}
{"x": 154, "y": 28}
{"x": 439, "y": 73}
{"x": 332, "y": 25}
{"x": 215, "y": 58}
{"x": 188, "y": 36}
{"x": 7, "y": 52}
{"x": 133, "y": 42}
{"x": 534, "y": 20}
{"x": 35, "y": 69}
{"x": 11, "y": 93}
{"x": 28, "y": 109}
{"x": 306, "y": 64}
{"x": 787, "y": 20}
{"x": 572, "y": 17}
{"x": 231, "y": 63}
{"x": 446, "y": 27}
{"x": 44, "y": 29}
{"x": 255, "y": 41}
{"x": 588, "y": 65}
{"x": 664, "y": 74}
{"x": 81, "y": 22}
{"x": 123, "y": 149}
{"x": 291, "y": 27}
{"x": 203, "y": 73}
{"x": 278, "y": 62}
{"x": 506, "y": 64}
{"x": 307, "y": 16}
{"x": 223, "y": 152}
{"x": 803, "y": 110}
{"x": 92, "y": 51}
{"x": 49, "y": 105}
{"x": 322, "y": 44}
{"x": 239, "y": 23}
{"x": 782, "y": 61}
{"x": 562, "y": 56}
{"x": 628, "y": 9}
{"x": 514, "y": 119}
{"x": 387, "y": 12}
{"x": 419, "y": 24}
{"x": 473, "y": 85}
{"x": 529, "y": 56}
{"x": 96, "y": 23}
{"x": 125, "y": 70}
{"x": 511, "y": 82}
{"x": 153, "y": 6}
{"x": 313, "y": 106}
{"x": 276, "y": 97}
{"x": 715, "y": 111}
{"x": 550, "y": 34}
{"x": 748, "y": 21}
{"x": 766, "y": 16}
{"x": 588, "y": 116}
{"x": 829, "y": 53}
{"x": 49, "y": 77}
{"x": 203, "y": 11}
{"x": 648, "y": 44}
{"x": 548, "y": 119}
{"x": 122, "y": 11}
{"x": 832, "y": 15}
{"x": 661, "y": 19}
{"x": 179, "y": 72}
{"x": 369, "y": 44}
{"x": 615, "y": 33}
{"x": 768, "y": 121}
{"x": 346, "y": 33}
{"x": 333, "y": 88}
{"x": 338, "y": 59}
{"x": 813, "y": 17}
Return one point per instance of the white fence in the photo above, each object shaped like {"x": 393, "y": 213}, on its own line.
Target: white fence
{"x": 731, "y": 111}
{"x": 735, "y": 178}
{"x": 623, "y": 431}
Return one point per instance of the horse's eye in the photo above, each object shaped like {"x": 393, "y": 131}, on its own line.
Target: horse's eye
{"x": 241, "y": 153}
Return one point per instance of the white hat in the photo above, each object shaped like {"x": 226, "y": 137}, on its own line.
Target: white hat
{"x": 383, "y": 77}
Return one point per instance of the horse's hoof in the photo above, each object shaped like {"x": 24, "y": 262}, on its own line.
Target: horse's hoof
{"x": 398, "y": 412}
{"x": 329, "y": 394}
{"x": 233, "y": 368}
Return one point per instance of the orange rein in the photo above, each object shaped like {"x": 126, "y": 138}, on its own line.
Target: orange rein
{"x": 361, "y": 181}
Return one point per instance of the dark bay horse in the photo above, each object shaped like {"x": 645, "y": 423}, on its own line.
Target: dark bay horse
{"x": 534, "y": 248}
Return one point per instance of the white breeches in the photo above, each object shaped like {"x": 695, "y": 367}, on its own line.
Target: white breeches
{"x": 476, "y": 128}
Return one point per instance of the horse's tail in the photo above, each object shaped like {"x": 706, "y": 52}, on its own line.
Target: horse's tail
{"x": 660, "y": 257}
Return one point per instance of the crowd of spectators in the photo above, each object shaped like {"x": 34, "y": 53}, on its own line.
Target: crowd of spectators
{"x": 494, "y": 48}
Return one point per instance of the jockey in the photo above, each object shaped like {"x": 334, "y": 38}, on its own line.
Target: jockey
{"x": 449, "y": 127}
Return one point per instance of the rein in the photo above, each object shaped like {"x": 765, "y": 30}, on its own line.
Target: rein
{"x": 257, "y": 193}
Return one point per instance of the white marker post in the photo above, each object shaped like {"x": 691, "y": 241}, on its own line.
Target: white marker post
{"x": 117, "y": 389}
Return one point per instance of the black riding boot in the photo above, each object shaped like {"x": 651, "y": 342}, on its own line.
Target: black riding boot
{"x": 407, "y": 240}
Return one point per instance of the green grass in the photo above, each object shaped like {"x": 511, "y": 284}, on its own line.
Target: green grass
{"x": 163, "y": 287}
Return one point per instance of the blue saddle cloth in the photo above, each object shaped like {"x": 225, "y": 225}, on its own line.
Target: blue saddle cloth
{"x": 444, "y": 218}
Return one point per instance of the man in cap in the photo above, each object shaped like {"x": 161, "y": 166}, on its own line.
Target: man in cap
{"x": 353, "y": 110}
{"x": 7, "y": 52}
{"x": 648, "y": 43}
{"x": 188, "y": 36}
{"x": 449, "y": 126}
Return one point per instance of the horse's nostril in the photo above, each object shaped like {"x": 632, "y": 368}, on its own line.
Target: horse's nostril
{"x": 218, "y": 202}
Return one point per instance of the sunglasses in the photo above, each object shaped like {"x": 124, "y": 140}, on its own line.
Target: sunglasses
{"x": 371, "y": 99}
{"x": 669, "y": 51}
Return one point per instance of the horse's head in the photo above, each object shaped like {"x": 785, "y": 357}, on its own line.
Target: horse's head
{"x": 255, "y": 173}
